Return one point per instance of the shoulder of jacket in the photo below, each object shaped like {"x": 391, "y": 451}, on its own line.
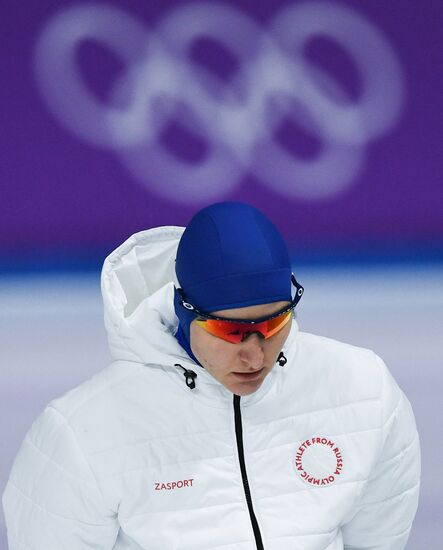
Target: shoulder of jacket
{"x": 355, "y": 370}
{"x": 92, "y": 416}
{"x": 96, "y": 389}
{"x": 325, "y": 344}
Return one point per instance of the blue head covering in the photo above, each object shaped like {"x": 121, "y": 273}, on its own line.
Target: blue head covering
{"x": 229, "y": 256}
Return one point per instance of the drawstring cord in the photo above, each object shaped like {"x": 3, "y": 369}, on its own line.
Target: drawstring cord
{"x": 190, "y": 376}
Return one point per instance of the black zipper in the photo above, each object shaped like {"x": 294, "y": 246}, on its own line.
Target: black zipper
{"x": 241, "y": 456}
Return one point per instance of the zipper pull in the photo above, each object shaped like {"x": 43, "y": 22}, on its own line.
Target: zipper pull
{"x": 281, "y": 359}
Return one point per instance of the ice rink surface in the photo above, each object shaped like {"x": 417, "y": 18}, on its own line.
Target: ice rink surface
{"x": 52, "y": 338}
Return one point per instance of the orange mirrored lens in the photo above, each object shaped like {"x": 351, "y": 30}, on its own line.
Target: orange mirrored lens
{"x": 235, "y": 332}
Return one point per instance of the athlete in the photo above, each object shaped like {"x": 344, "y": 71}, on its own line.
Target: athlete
{"x": 219, "y": 425}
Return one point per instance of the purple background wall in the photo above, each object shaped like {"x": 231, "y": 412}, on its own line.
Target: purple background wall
{"x": 67, "y": 199}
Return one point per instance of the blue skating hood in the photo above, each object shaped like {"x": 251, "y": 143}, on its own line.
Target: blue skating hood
{"x": 229, "y": 256}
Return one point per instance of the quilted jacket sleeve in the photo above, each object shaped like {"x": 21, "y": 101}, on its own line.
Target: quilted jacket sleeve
{"x": 52, "y": 499}
{"x": 388, "y": 502}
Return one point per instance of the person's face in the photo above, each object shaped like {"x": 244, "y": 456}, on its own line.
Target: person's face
{"x": 242, "y": 367}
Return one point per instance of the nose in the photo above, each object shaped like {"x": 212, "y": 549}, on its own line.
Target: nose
{"x": 251, "y": 351}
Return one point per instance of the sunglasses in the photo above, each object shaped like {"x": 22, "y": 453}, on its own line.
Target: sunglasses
{"x": 236, "y": 330}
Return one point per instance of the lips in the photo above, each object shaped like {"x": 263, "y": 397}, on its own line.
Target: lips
{"x": 248, "y": 375}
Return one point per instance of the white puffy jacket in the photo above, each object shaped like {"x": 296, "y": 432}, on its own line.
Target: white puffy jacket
{"x": 323, "y": 456}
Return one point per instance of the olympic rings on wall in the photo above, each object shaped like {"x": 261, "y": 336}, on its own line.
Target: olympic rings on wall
{"x": 239, "y": 122}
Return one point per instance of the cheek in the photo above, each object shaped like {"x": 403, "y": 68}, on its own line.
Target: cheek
{"x": 213, "y": 351}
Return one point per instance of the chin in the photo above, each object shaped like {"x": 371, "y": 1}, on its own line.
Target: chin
{"x": 244, "y": 393}
{"x": 245, "y": 388}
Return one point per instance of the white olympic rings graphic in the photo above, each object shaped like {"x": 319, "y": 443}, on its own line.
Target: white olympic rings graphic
{"x": 238, "y": 120}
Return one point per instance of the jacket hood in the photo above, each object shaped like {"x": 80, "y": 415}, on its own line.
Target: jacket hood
{"x": 137, "y": 284}
{"x": 138, "y": 292}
